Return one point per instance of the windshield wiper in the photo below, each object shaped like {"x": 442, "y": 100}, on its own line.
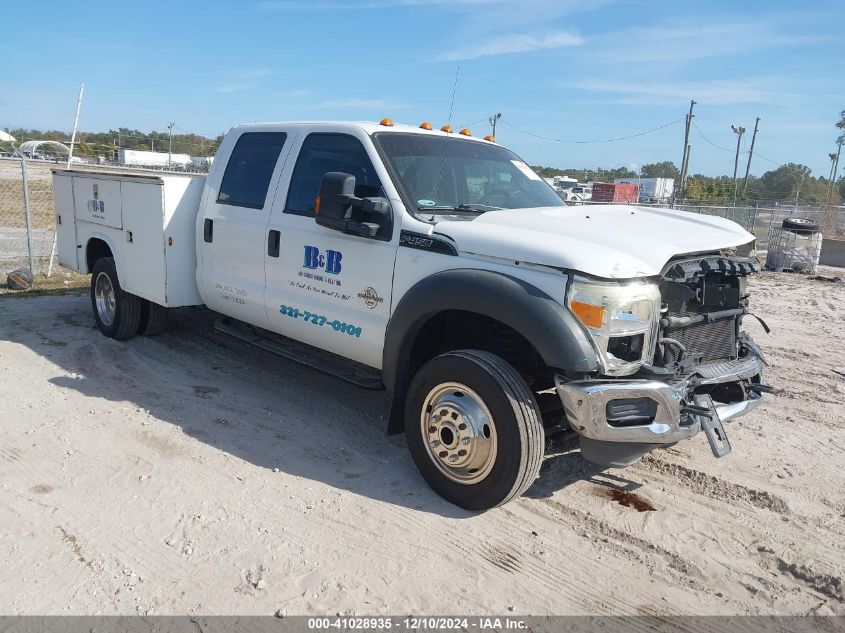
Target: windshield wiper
{"x": 461, "y": 208}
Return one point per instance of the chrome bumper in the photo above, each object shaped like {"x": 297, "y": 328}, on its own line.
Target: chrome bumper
{"x": 585, "y": 403}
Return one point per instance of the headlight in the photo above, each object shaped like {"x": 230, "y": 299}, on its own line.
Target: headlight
{"x": 621, "y": 320}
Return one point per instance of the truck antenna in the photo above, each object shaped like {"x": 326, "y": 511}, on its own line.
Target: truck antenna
{"x": 446, "y": 142}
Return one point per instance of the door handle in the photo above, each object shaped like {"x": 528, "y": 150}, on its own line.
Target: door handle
{"x": 208, "y": 230}
{"x": 273, "y": 240}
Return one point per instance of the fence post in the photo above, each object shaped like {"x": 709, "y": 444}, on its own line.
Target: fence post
{"x": 26, "y": 211}
{"x": 754, "y": 219}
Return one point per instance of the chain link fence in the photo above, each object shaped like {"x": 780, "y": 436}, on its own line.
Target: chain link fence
{"x": 28, "y": 221}
{"x": 27, "y": 218}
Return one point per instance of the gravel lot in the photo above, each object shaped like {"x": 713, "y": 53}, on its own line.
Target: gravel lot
{"x": 183, "y": 474}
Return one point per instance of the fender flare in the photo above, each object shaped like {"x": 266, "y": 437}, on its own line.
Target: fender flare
{"x": 99, "y": 235}
{"x": 545, "y": 323}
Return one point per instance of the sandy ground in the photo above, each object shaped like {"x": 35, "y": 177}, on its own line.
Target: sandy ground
{"x": 182, "y": 474}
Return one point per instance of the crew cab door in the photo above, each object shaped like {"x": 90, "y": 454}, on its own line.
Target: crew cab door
{"x": 234, "y": 223}
{"x": 329, "y": 289}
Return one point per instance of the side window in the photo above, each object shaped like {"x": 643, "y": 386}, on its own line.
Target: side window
{"x": 250, "y": 167}
{"x": 322, "y": 153}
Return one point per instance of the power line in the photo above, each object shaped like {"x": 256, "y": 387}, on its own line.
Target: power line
{"x": 606, "y": 140}
{"x": 711, "y": 142}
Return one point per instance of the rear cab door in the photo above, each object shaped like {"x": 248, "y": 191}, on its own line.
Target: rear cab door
{"x": 330, "y": 289}
{"x": 232, "y": 223}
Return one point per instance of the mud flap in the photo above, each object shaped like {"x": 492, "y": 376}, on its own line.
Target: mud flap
{"x": 712, "y": 426}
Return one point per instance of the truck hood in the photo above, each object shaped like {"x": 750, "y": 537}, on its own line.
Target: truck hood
{"x": 613, "y": 241}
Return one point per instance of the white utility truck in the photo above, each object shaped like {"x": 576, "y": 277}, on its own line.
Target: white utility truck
{"x": 441, "y": 268}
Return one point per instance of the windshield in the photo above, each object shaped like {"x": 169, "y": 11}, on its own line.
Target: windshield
{"x": 434, "y": 174}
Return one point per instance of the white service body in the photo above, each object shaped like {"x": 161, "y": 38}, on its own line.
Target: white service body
{"x": 148, "y": 222}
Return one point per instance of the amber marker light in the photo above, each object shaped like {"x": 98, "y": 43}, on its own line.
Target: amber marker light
{"x": 465, "y": 132}
{"x": 447, "y": 128}
{"x": 589, "y": 314}
{"x": 386, "y": 122}
{"x": 490, "y": 138}
{"x": 425, "y": 125}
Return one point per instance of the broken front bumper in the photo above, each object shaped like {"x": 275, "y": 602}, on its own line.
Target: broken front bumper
{"x": 652, "y": 412}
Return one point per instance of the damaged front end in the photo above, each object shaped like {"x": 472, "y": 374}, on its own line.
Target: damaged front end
{"x": 704, "y": 370}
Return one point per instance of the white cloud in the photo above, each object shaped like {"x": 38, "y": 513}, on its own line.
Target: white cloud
{"x": 513, "y": 43}
{"x": 354, "y": 103}
{"x": 282, "y": 5}
{"x": 243, "y": 80}
{"x": 676, "y": 43}
{"x": 662, "y": 92}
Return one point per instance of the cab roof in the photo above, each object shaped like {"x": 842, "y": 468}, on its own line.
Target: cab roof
{"x": 369, "y": 127}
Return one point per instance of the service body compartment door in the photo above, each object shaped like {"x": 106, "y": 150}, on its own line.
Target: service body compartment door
{"x": 98, "y": 200}
{"x": 66, "y": 247}
{"x": 142, "y": 249}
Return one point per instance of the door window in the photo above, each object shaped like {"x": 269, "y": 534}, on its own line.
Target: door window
{"x": 323, "y": 153}
{"x": 250, "y": 168}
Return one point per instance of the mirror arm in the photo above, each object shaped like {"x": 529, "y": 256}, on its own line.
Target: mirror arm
{"x": 360, "y": 203}
{"x": 352, "y": 227}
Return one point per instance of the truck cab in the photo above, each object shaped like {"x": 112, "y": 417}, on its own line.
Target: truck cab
{"x": 441, "y": 268}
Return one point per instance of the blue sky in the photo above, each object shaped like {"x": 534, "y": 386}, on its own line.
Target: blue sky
{"x": 576, "y": 70}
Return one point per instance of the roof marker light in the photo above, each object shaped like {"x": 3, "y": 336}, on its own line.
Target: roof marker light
{"x": 425, "y": 125}
{"x": 386, "y": 122}
{"x": 447, "y": 128}
{"x": 490, "y": 138}
{"x": 465, "y": 132}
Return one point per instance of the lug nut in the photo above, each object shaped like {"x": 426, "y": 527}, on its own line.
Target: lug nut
{"x": 462, "y": 426}
{"x": 432, "y": 429}
{"x": 462, "y": 452}
{"x": 443, "y": 454}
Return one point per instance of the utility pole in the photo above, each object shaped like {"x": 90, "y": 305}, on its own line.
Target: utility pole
{"x": 493, "y": 120}
{"x": 739, "y": 131}
{"x": 750, "y": 154}
{"x": 685, "y": 156}
{"x": 75, "y": 124}
{"x": 798, "y": 191}
{"x": 832, "y": 158}
{"x": 839, "y": 142}
{"x": 170, "y": 145}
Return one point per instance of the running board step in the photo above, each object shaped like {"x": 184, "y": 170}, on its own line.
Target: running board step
{"x": 326, "y": 362}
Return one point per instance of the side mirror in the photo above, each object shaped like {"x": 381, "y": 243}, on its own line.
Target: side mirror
{"x": 338, "y": 207}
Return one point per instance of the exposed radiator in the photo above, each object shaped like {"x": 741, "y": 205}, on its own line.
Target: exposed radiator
{"x": 714, "y": 341}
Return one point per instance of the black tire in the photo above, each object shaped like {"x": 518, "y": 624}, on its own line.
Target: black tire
{"x": 154, "y": 318}
{"x": 516, "y": 422}
{"x": 127, "y": 307}
{"x": 801, "y": 226}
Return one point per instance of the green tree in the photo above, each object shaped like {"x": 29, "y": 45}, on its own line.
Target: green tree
{"x": 783, "y": 183}
{"x": 666, "y": 169}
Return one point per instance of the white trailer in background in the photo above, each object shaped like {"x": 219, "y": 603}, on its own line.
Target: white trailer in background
{"x": 141, "y": 158}
{"x": 201, "y": 162}
{"x": 652, "y": 189}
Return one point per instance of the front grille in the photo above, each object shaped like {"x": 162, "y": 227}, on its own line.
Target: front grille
{"x": 713, "y": 341}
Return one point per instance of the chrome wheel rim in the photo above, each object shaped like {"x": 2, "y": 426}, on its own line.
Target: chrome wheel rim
{"x": 458, "y": 433}
{"x": 104, "y": 297}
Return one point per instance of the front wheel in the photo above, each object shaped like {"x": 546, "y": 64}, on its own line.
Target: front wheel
{"x": 474, "y": 429}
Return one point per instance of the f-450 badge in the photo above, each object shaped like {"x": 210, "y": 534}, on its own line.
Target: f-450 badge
{"x": 370, "y": 297}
